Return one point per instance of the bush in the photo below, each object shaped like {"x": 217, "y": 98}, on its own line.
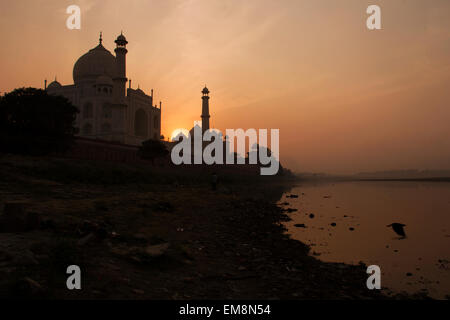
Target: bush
{"x": 33, "y": 122}
{"x": 152, "y": 149}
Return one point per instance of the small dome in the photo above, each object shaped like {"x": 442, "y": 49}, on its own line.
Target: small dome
{"x": 94, "y": 63}
{"x": 205, "y": 90}
{"x": 104, "y": 80}
{"x": 54, "y": 85}
{"x": 121, "y": 40}
{"x": 140, "y": 91}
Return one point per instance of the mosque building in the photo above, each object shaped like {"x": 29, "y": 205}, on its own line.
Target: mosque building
{"x": 108, "y": 110}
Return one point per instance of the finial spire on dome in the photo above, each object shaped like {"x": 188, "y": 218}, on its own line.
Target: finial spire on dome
{"x": 100, "y": 40}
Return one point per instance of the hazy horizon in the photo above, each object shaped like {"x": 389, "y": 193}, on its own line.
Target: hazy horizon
{"x": 345, "y": 99}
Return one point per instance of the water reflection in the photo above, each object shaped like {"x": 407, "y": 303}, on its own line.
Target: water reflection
{"x": 348, "y": 222}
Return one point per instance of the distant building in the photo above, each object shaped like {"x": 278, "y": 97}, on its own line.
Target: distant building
{"x": 205, "y": 116}
{"x": 109, "y": 111}
{"x": 205, "y": 109}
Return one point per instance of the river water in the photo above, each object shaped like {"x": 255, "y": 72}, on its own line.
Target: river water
{"x": 418, "y": 263}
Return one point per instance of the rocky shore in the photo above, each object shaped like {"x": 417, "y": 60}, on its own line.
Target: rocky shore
{"x": 169, "y": 239}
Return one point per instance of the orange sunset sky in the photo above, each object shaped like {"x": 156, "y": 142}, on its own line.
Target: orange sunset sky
{"x": 345, "y": 99}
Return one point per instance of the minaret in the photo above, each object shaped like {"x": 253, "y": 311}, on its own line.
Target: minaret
{"x": 205, "y": 110}
{"x": 121, "y": 78}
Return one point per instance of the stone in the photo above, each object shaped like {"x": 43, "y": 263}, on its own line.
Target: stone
{"x": 157, "y": 250}
{"x": 26, "y": 258}
{"x": 85, "y": 240}
{"x": 138, "y": 291}
{"x": 14, "y": 218}
{"x": 32, "y": 221}
{"x": 27, "y": 287}
{"x": 14, "y": 209}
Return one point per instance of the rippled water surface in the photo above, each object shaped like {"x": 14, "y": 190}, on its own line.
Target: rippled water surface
{"x": 418, "y": 263}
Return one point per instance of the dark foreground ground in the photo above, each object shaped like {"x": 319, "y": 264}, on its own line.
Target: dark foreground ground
{"x": 142, "y": 232}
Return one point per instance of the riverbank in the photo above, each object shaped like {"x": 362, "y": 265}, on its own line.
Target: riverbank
{"x": 166, "y": 237}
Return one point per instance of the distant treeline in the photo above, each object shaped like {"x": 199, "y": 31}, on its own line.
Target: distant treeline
{"x": 392, "y": 175}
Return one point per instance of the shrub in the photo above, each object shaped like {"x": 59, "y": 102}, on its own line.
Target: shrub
{"x": 33, "y": 122}
{"x": 152, "y": 149}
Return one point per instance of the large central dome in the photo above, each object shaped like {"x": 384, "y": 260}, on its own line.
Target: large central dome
{"x": 94, "y": 63}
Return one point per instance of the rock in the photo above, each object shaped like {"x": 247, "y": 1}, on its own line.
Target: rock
{"x": 300, "y": 225}
{"x": 157, "y": 250}
{"x": 139, "y": 237}
{"x": 138, "y": 291}
{"x": 163, "y": 206}
{"x": 26, "y": 287}
{"x": 33, "y": 284}
{"x": 16, "y": 219}
{"x": 14, "y": 209}
{"x": 85, "y": 240}
{"x": 48, "y": 224}
{"x": 32, "y": 221}
{"x": 100, "y": 206}
{"x": 5, "y": 256}
{"x": 26, "y": 258}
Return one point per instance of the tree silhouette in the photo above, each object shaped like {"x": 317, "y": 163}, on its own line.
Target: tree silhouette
{"x": 33, "y": 122}
{"x": 152, "y": 149}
